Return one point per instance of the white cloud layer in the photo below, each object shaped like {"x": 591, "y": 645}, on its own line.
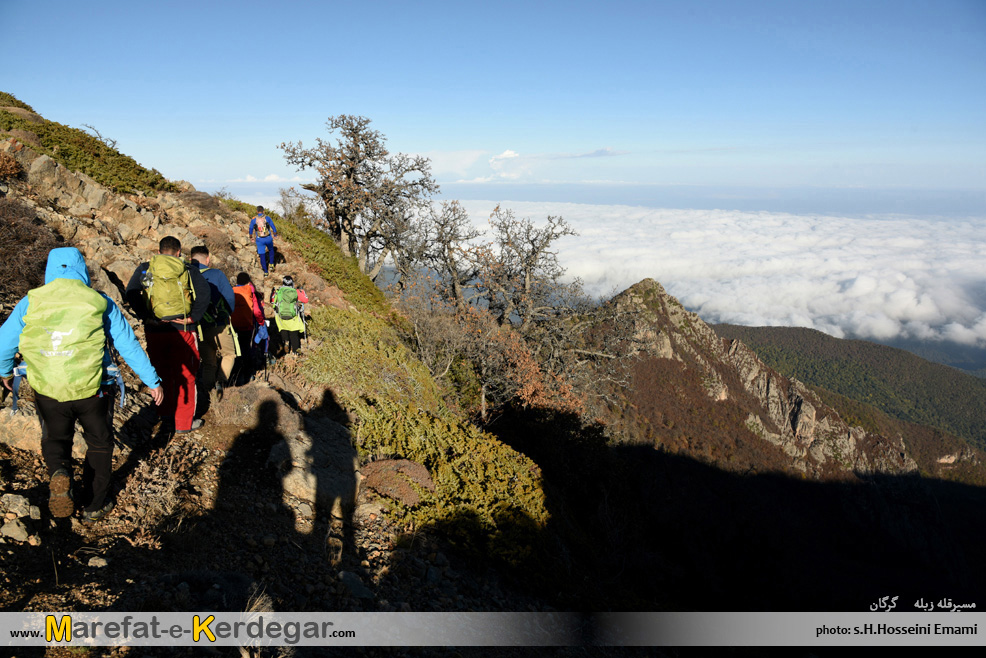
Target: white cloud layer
{"x": 269, "y": 178}
{"x": 868, "y": 277}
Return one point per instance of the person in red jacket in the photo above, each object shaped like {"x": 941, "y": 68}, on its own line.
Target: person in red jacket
{"x": 172, "y": 341}
{"x": 247, "y": 320}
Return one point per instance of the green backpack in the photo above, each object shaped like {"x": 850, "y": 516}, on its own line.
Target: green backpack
{"x": 168, "y": 287}
{"x": 286, "y": 303}
{"x": 63, "y": 340}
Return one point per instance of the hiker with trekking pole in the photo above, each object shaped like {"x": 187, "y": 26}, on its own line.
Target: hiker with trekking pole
{"x": 289, "y": 315}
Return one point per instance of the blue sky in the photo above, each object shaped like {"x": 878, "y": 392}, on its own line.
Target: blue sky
{"x": 725, "y": 100}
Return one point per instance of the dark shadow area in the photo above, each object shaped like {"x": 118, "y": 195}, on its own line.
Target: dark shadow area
{"x": 227, "y": 552}
{"x": 255, "y": 550}
{"x": 634, "y": 528}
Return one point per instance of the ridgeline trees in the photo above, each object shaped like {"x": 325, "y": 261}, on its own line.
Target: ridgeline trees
{"x": 370, "y": 198}
{"x": 497, "y": 315}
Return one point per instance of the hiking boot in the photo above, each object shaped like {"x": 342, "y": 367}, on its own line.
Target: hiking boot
{"x": 98, "y": 515}
{"x": 60, "y": 502}
{"x": 197, "y": 423}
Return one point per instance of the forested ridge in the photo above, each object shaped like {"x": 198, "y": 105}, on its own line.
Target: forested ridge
{"x": 897, "y": 382}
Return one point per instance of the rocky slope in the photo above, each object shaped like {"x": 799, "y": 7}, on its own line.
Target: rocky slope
{"x": 779, "y": 411}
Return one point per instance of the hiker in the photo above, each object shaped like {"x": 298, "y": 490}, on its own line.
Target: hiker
{"x": 171, "y": 298}
{"x": 264, "y": 226}
{"x": 247, "y": 320}
{"x": 61, "y": 331}
{"x": 217, "y": 333}
{"x": 289, "y": 321}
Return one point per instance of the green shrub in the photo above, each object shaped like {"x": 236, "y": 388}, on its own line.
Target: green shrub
{"x": 8, "y": 100}
{"x": 80, "y": 151}
{"x": 364, "y": 361}
{"x": 488, "y": 497}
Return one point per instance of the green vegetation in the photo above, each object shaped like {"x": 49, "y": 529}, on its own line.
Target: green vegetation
{"x": 366, "y": 363}
{"x": 476, "y": 478}
{"x": 324, "y": 257}
{"x": 80, "y": 151}
{"x": 897, "y": 382}
{"x": 7, "y": 100}
{"x": 488, "y": 497}
{"x": 370, "y": 371}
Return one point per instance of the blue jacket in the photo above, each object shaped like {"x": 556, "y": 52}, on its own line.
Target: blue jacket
{"x": 219, "y": 288}
{"x": 68, "y": 263}
{"x": 270, "y": 222}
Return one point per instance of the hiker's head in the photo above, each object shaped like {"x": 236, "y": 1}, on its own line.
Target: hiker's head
{"x": 260, "y": 210}
{"x": 242, "y": 279}
{"x": 288, "y": 281}
{"x": 66, "y": 263}
{"x": 169, "y": 246}
{"x": 200, "y": 254}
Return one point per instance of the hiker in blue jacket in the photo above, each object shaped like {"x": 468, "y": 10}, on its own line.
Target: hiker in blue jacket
{"x": 264, "y": 226}
{"x": 61, "y": 329}
{"x": 217, "y": 337}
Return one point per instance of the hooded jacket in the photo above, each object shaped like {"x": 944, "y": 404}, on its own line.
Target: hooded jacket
{"x": 68, "y": 263}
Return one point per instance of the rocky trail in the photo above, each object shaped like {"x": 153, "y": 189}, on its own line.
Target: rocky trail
{"x": 203, "y": 522}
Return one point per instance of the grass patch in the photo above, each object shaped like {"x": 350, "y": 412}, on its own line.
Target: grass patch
{"x": 8, "y": 100}
{"x": 364, "y": 362}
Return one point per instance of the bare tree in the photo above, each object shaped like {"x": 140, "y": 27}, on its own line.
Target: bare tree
{"x": 519, "y": 273}
{"x": 448, "y": 235}
{"x": 98, "y": 135}
{"x": 369, "y": 196}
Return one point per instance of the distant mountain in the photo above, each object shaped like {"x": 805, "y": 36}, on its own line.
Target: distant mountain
{"x": 696, "y": 394}
{"x": 964, "y": 357}
{"x": 897, "y": 382}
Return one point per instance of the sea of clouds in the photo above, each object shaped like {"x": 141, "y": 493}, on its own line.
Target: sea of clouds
{"x": 875, "y": 277}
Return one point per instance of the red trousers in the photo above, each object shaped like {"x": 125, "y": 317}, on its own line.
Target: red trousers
{"x": 175, "y": 356}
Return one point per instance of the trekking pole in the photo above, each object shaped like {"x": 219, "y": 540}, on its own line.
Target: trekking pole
{"x": 304, "y": 322}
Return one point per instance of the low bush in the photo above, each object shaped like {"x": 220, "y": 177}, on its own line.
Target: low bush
{"x": 9, "y": 167}
{"x": 8, "y": 100}
{"x": 25, "y": 241}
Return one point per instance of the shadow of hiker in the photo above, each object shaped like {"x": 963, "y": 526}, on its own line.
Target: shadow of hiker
{"x": 319, "y": 466}
{"x": 261, "y": 546}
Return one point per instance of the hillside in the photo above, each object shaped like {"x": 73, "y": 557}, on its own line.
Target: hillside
{"x": 349, "y": 479}
{"x": 897, "y": 382}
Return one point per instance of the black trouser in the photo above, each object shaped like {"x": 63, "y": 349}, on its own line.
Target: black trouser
{"x": 291, "y": 339}
{"x": 57, "y": 430}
